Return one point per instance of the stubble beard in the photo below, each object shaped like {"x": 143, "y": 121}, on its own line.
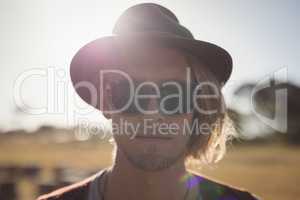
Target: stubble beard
{"x": 152, "y": 160}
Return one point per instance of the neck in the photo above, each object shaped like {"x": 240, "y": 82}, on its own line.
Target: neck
{"x": 126, "y": 181}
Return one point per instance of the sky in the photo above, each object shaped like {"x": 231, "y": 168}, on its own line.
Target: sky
{"x": 41, "y": 37}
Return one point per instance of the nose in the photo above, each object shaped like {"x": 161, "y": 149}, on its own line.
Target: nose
{"x": 153, "y": 104}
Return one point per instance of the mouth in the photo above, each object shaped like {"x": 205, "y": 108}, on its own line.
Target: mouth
{"x": 153, "y": 137}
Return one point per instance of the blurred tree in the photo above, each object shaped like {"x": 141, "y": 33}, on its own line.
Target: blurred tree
{"x": 247, "y": 123}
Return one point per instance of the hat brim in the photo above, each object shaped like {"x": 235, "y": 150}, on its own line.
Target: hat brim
{"x": 104, "y": 53}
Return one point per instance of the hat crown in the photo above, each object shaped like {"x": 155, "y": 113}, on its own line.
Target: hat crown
{"x": 150, "y": 17}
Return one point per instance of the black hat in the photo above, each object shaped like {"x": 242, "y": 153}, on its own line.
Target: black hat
{"x": 146, "y": 22}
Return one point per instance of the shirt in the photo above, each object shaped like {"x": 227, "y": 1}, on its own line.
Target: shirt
{"x": 92, "y": 189}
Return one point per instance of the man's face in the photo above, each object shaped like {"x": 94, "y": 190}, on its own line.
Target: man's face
{"x": 153, "y": 141}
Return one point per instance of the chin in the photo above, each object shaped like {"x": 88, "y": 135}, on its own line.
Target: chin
{"x": 153, "y": 157}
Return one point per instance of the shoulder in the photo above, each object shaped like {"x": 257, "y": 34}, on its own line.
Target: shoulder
{"x": 76, "y": 191}
{"x": 214, "y": 190}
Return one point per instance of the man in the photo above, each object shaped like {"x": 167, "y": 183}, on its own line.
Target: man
{"x": 162, "y": 90}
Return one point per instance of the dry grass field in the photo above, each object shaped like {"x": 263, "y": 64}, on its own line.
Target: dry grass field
{"x": 272, "y": 171}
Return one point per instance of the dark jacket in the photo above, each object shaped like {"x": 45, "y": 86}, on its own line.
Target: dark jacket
{"x": 209, "y": 190}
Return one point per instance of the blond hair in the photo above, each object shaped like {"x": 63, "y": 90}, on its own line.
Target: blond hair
{"x": 209, "y": 147}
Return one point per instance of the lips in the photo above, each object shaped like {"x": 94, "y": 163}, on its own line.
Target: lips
{"x": 153, "y": 137}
